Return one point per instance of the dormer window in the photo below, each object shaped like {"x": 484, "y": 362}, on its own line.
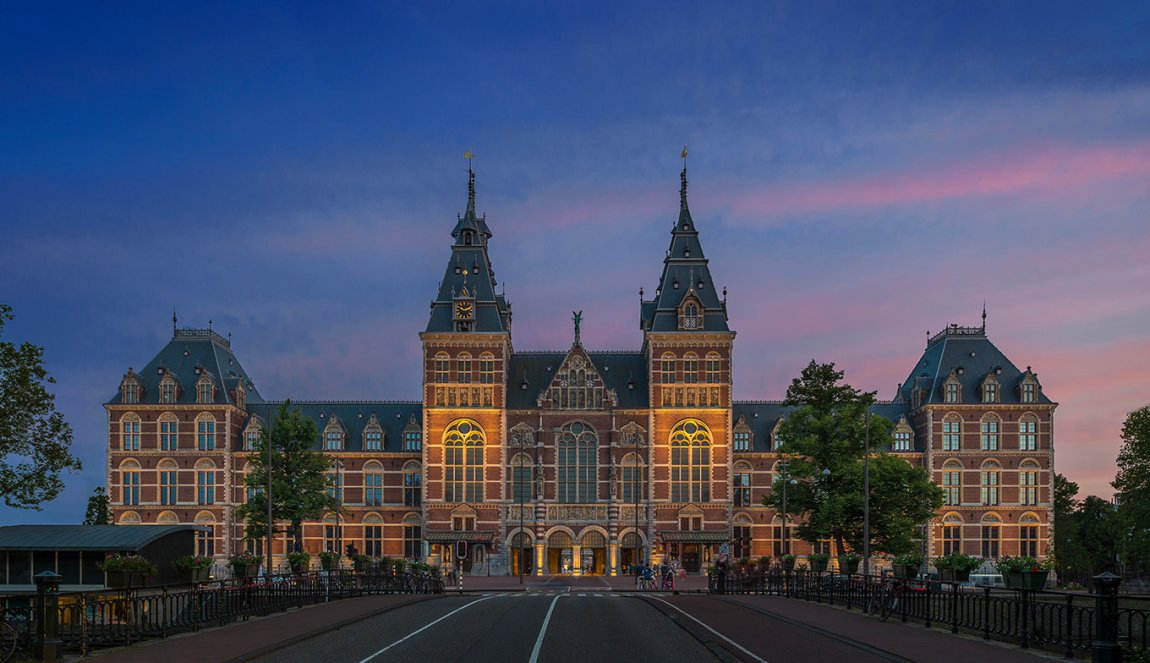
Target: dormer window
{"x": 373, "y": 435}
{"x": 1028, "y": 389}
{"x": 777, "y": 439}
{"x": 241, "y": 395}
{"x": 743, "y": 438}
{"x": 333, "y": 435}
{"x": 952, "y": 389}
{"x": 412, "y": 435}
{"x": 205, "y": 390}
{"x": 990, "y": 389}
{"x": 168, "y": 389}
{"x": 903, "y": 438}
{"x": 130, "y": 391}
{"x": 690, "y": 314}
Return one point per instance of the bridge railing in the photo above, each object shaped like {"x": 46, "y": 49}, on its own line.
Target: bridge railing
{"x": 1071, "y": 623}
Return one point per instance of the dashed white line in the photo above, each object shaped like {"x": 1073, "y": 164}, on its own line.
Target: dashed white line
{"x": 692, "y": 618}
{"x": 427, "y": 626}
{"x": 542, "y": 630}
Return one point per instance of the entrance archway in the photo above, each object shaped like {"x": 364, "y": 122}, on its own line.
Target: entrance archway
{"x": 593, "y": 552}
{"x": 559, "y": 551}
{"x": 629, "y": 545}
{"x": 520, "y": 549}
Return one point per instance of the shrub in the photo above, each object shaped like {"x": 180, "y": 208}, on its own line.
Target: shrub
{"x": 819, "y": 557}
{"x": 909, "y": 559}
{"x": 192, "y": 563}
{"x": 957, "y": 562}
{"x": 246, "y": 558}
{"x": 1020, "y": 564}
{"x": 329, "y": 556}
{"x": 128, "y": 563}
{"x": 299, "y": 558}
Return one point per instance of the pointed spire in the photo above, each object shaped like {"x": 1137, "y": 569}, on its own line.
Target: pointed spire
{"x": 470, "y": 191}
{"x": 984, "y": 316}
{"x": 173, "y": 321}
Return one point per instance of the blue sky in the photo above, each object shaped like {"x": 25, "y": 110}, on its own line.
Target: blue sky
{"x": 860, "y": 173}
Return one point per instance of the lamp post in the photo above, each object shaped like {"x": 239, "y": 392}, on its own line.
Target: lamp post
{"x": 866, "y": 496}
{"x": 337, "y": 491}
{"x": 786, "y": 480}
{"x": 520, "y": 536}
{"x": 268, "y": 496}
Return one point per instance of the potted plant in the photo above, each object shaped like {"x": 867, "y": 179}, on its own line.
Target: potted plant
{"x": 359, "y": 561}
{"x": 245, "y": 564}
{"x": 818, "y": 561}
{"x": 193, "y": 568}
{"x": 299, "y": 561}
{"x": 764, "y": 563}
{"x": 400, "y": 566}
{"x": 744, "y": 564}
{"x": 329, "y": 560}
{"x": 788, "y": 562}
{"x": 384, "y": 565}
{"x": 127, "y": 571}
{"x": 1023, "y": 572}
{"x": 956, "y": 567}
{"x": 849, "y": 563}
{"x": 906, "y": 566}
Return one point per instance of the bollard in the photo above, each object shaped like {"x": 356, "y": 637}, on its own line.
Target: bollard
{"x": 1105, "y": 647}
{"x": 48, "y": 615}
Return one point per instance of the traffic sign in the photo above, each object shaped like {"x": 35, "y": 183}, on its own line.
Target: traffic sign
{"x": 724, "y": 548}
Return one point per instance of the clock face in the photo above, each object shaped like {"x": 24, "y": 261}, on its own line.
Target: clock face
{"x": 463, "y": 309}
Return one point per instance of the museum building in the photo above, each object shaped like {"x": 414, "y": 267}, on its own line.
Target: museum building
{"x": 576, "y": 461}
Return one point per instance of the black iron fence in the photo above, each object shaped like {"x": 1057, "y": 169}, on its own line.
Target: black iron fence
{"x": 80, "y": 622}
{"x": 1070, "y": 623}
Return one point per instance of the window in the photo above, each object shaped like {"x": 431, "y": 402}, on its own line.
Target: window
{"x": 989, "y": 437}
{"x": 990, "y": 391}
{"x": 991, "y": 527}
{"x": 634, "y": 479}
{"x": 1028, "y": 432}
{"x": 168, "y": 390}
{"x": 442, "y": 367}
{"x": 952, "y": 433}
{"x": 522, "y": 476}
{"x": 412, "y": 436}
{"x": 412, "y": 485}
{"x": 1028, "y": 483}
{"x": 902, "y": 440}
{"x": 781, "y": 539}
{"x": 205, "y": 391}
{"x": 205, "y": 483}
{"x": 464, "y": 373}
{"x": 951, "y": 534}
{"x": 777, "y": 434}
{"x": 373, "y": 484}
{"x": 334, "y": 483}
{"x": 373, "y": 436}
{"x": 486, "y": 368}
{"x": 1028, "y": 535}
{"x": 130, "y": 432}
{"x": 131, "y": 480}
{"x": 578, "y": 448}
{"x": 463, "y": 522}
{"x": 373, "y": 536}
{"x": 712, "y": 367}
{"x": 689, "y": 315}
{"x": 1028, "y": 391}
{"x": 991, "y": 479}
{"x": 463, "y": 461}
{"x": 952, "y": 389}
{"x": 206, "y": 541}
{"x": 742, "y": 438}
{"x": 742, "y": 486}
{"x": 741, "y": 540}
{"x": 690, "y": 462}
{"x": 252, "y": 434}
{"x": 952, "y": 483}
{"x": 333, "y": 435}
{"x": 691, "y": 368}
{"x": 668, "y": 368}
{"x": 412, "y": 536}
{"x": 205, "y": 432}
{"x": 168, "y": 483}
{"x": 130, "y": 392}
{"x": 690, "y": 523}
{"x": 332, "y": 533}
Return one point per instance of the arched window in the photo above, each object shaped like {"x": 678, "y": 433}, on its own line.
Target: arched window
{"x": 990, "y": 427}
{"x": 373, "y": 535}
{"x": 777, "y": 439}
{"x": 169, "y": 426}
{"x": 130, "y": 391}
{"x": 333, "y": 434}
{"x": 130, "y": 480}
{"x": 412, "y": 484}
{"x": 741, "y": 536}
{"x": 903, "y": 437}
{"x": 690, "y": 462}
{"x": 442, "y": 367}
{"x": 373, "y": 435}
{"x": 206, "y": 541}
{"x": 713, "y": 367}
{"x": 1028, "y": 482}
{"x": 487, "y": 368}
{"x": 1028, "y": 535}
{"x": 372, "y": 483}
{"x": 990, "y": 388}
{"x": 690, "y": 314}
{"x": 578, "y": 450}
{"x": 412, "y": 435}
{"x": 169, "y": 481}
{"x": 742, "y": 436}
{"x": 952, "y": 432}
{"x": 168, "y": 389}
{"x": 741, "y": 490}
{"x": 130, "y": 432}
{"x": 205, "y": 481}
{"x": 1028, "y": 432}
{"x": 952, "y": 388}
{"x": 167, "y": 518}
{"x": 332, "y": 533}
{"x": 991, "y": 478}
{"x": 463, "y": 443}
{"x": 633, "y": 479}
{"x": 205, "y": 390}
{"x": 464, "y": 373}
{"x": 690, "y": 367}
{"x": 205, "y": 432}
{"x": 952, "y": 483}
{"x": 522, "y": 478}
{"x": 668, "y": 366}
{"x": 991, "y": 535}
{"x": 130, "y": 518}
{"x": 951, "y": 533}
{"x": 412, "y": 536}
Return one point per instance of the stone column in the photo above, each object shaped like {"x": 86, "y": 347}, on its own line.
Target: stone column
{"x": 576, "y": 560}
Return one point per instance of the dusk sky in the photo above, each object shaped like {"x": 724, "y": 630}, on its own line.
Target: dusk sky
{"x": 860, "y": 173}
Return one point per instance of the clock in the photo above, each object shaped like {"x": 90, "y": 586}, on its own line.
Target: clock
{"x": 463, "y": 310}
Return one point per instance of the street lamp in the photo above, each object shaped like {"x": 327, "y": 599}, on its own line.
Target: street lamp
{"x": 520, "y": 536}
{"x": 786, "y": 480}
{"x": 866, "y": 496}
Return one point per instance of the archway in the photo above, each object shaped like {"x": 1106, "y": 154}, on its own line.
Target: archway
{"x": 559, "y": 550}
{"x": 593, "y": 552}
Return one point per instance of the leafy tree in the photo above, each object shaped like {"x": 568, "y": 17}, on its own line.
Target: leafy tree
{"x": 1068, "y": 554}
{"x": 34, "y": 438}
{"x": 824, "y": 442}
{"x": 1133, "y": 486}
{"x": 98, "y": 512}
{"x": 298, "y": 476}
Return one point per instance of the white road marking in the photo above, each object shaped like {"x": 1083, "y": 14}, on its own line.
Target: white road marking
{"x": 692, "y": 618}
{"x": 542, "y": 630}
{"x": 427, "y": 626}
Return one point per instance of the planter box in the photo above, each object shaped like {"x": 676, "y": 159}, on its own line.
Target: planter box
{"x": 850, "y": 568}
{"x": 1012, "y": 580}
{"x": 245, "y": 570}
{"x": 125, "y": 579}
{"x": 329, "y": 564}
{"x": 818, "y": 565}
{"x": 189, "y": 576}
{"x": 1033, "y": 580}
{"x": 788, "y": 565}
{"x": 299, "y": 568}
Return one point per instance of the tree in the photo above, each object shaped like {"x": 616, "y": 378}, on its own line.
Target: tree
{"x": 824, "y": 442}
{"x": 98, "y": 512}
{"x": 299, "y": 476}
{"x": 34, "y": 438}
{"x": 1133, "y": 486}
{"x": 1067, "y": 553}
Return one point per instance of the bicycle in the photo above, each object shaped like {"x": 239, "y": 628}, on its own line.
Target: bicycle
{"x": 885, "y": 601}
{"x": 9, "y": 638}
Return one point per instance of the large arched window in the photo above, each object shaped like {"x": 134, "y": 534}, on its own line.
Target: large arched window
{"x": 333, "y": 435}
{"x": 1028, "y": 482}
{"x": 1027, "y": 432}
{"x": 373, "y": 535}
{"x": 205, "y": 432}
{"x": 373, "y": 483}
{"x": 412, "y": 484}
{"x": 1028, "y": 535}
{"x": 169, "y": 430}
{"x": 130, "y": 432}
{"x": 130, "y": 480}
{"x": 442, "y": 367}
{"x": 952, "y": 483}
{"x": 412, "y": 536}
{"x": 169, "y": 483}
{"x": 951, "y": 531}
{"x": 205, "y": 482}
{"x": 991, "y": 535}
{"x": 741, "y": 486}
{"x": 633, "y": 479}
{"x": 990, "y": 427}
{"x": 578, "y": 447}
{"x": 690, "y": 367}
{"x": 206, "y": 541}
{"x": 690, "y": 462}
{"x": 463, "y": 461}
{"x": 991, "y": 479}
{"x": 951, "y": 432}
{"x": 522, "y": 478}
{"x": 464, "y": 373}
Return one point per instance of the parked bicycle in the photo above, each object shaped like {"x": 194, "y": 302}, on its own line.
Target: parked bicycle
{"x": 885, "y": 601}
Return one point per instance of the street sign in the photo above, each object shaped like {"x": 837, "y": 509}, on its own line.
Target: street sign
{"x": 461, "y": 549}
{"x": 724, "y": 548}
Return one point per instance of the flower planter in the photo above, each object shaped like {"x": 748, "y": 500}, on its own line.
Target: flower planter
{"x": 850, "y": 567}
{"x": 788, "y": 565}
{"x": 245, "y": 570}
{"x": 1033, "y": 580}
{"x": 1013, "y": 580}
{"x": 190, "y": 576}
{"x": 125, "y": 579}
{"x": 299, "y": 568}
{"x": 329, "y": 564}
{"x": 818, "y": 565}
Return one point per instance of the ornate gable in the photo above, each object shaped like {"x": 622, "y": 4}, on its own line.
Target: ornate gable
{"x": 577, "y": 385}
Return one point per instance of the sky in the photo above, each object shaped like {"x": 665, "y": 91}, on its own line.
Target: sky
{"x": 861, "y": 173}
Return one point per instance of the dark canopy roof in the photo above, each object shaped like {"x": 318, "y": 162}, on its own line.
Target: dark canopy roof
{"x": 128, "y": 538}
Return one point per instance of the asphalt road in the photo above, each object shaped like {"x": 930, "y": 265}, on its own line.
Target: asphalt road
{"x": 543, "y": 627}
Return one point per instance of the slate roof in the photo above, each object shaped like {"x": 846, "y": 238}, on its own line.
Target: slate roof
{"x": 185, "y": 357}
{"x": 968, "y": 352}
{"x": 762, "y": 416}
{"x": 684, "y": 271}
{"x": 85, "y": 537}
{"x": 625, "y": 372}
{"x": 354, "y": 417}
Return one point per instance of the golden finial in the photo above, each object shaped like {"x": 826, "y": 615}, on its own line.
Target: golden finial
{"x": 468, "y": 155}
{"x": 684, "y": 155}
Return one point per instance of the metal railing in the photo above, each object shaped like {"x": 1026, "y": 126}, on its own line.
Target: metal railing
{"x": 1069, "y": 623}
{"x": 117, "y": 617}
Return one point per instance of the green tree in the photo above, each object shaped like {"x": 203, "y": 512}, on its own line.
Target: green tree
{"x": 1133, "y": 486}
{"x": 299, "y": 476}
{"x": 824, "y": 441}
{"x": 1068, "y": 553}
{"x": 98, "y": 512}
{"x": 34, "y": 438}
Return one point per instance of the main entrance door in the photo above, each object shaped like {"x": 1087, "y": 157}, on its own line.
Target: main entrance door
{"x": 559, "y": 553}
{"x": 593, "y": 552}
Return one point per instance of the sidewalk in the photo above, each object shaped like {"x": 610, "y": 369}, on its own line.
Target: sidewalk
{"x": 690, "y": 583}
